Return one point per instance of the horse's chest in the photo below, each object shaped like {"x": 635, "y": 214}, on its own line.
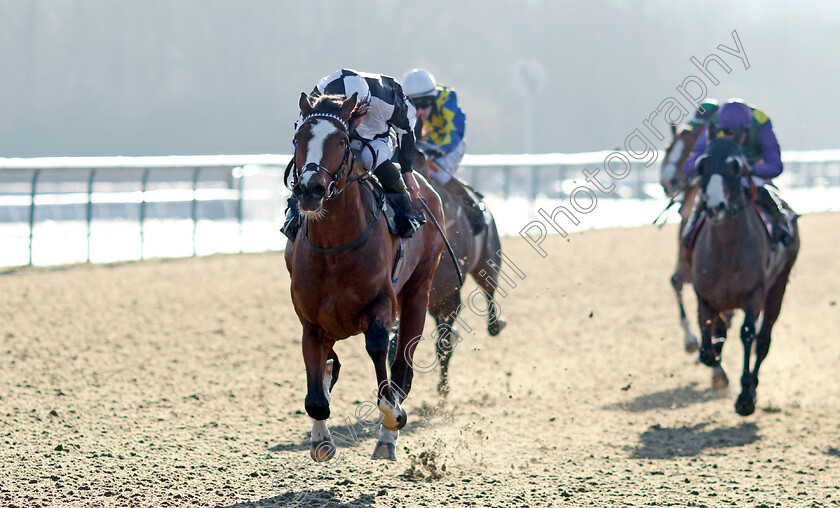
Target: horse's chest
{"x": 334, "y": 298}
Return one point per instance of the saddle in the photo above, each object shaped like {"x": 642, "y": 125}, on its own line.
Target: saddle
{"x": 382, "y": 201}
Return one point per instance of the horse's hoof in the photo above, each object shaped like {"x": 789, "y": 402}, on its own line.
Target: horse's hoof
{"x": 745, "y": 405}
{"x": 496, "y": 327}
{"x": 322, "y": 451}
{"x": 384, "y": 450}
{"x": 691, "y": 344}
{"x": 719, "y": 379}
{"x": 394, "y": 419}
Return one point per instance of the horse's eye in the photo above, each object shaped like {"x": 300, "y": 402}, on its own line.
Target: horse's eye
{"x": 733, "y": 166}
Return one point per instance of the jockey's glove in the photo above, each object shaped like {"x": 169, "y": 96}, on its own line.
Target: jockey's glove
{"x": 434, "y": 153}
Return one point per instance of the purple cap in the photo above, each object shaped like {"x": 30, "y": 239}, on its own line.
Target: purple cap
{"x": 733, "y": 115}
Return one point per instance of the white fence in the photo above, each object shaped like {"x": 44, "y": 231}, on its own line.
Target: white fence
{"x": 96, "y": 209}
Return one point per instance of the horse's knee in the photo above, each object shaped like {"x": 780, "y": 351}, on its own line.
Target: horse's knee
{"x": 376, "y": 340}
{"x": 748, "y": 332}
{"x": 709, "y": 356}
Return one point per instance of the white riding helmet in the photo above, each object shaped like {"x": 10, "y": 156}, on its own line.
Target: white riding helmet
{"x": 419, "y": 83}
{"x": 346, "y": 82}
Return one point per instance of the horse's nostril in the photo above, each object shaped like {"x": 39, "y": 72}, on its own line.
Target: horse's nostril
{"x": 297, "y": 190}
{"x": 318, "y": 191}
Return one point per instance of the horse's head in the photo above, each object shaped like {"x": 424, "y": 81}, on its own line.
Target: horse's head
{"x": 720, "y": 170}
{"x": 672, "y": 176}
{"x": 322, "y": 150}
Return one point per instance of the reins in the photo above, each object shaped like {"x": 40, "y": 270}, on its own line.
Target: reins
{"x": 332, "y": 188}
{"x": 673, "y": 200}
{"x": 347, "y": 246}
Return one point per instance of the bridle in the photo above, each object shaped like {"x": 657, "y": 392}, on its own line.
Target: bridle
{"x": 333, "y": 178}
{"x": 733, "y": 206}
{"x": 332, "y": 186}
{"x": 680, "y": 180}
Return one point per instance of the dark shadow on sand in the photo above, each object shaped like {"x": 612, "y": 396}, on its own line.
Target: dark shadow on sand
{"x": 307, "y": 499}
{"x": 668, "y": 399}
{"x": 349, "y": 435}
{"x": 666, "y": 443}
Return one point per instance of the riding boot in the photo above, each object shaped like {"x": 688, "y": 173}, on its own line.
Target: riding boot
{"x": 407, "y": 217}
{"x": 781, "y": 229}
{"x": 693, "y": 223}
{"x": 292, "y": 223}
{"x": 472, "y": 206}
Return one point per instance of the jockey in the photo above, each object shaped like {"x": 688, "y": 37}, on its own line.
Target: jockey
{"x": 706, "y": 112}
{"x": 440, "y": 135}
{"x": 762, "y": 153}
{"x": 382, "y": 124}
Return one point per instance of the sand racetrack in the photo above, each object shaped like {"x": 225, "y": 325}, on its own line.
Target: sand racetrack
{"x": 181, "y": 383}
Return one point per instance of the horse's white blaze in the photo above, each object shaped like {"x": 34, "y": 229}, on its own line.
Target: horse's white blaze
{"x": 676, "y": 152}
{"x": 715, "y": 195}
{"x": 669, "y": 172}
{"x": 321, "y": 130}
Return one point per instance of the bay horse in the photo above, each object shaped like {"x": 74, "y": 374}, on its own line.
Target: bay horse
{"x": 735, "y": 264}
{"x": 477, "y": 254}
{"x": 342, "y": 283}
{"x": 676, "y": 182}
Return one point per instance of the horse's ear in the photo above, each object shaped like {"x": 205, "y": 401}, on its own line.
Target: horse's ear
{"x": 673, "y": 131}
{"x": 305, "y": 105}
{"x": 315, "y": 93}
{"x": 700, "y": 165}
{"x": 348, "y": 105}
{"x": 712, "y": 131}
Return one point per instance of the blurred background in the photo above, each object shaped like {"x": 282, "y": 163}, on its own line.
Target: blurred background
{"x": 83, "y": 79}
{"x": 160, "y": 77}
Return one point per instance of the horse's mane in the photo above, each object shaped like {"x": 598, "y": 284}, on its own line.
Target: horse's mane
{"x": 687, "y": 129}
{"x": 327, "y": 103}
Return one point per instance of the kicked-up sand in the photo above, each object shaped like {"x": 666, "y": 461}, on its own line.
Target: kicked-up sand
{"x": 181, "y": 383}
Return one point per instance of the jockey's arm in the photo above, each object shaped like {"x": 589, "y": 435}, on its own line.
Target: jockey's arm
{"x": 406, "y": 152}
{"x": 699, "y": 148}
{"x": 770, "y": 165}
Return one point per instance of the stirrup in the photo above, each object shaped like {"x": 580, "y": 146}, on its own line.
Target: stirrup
{"x": 782, "y": 233}
{"x": 292, "y": 222}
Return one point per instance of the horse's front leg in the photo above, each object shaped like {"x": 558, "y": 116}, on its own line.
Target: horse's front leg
{"x": 319, "y": 381}
{"x": 745, "y": 404}
{"x": 706, "y": 317}
{"x": 447, "y": 337}
{"x": 393, "y": 416}
{"x": 681, "y": 275}
{"x": 719, "y": 378}
{"x": 689, "y": 339}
